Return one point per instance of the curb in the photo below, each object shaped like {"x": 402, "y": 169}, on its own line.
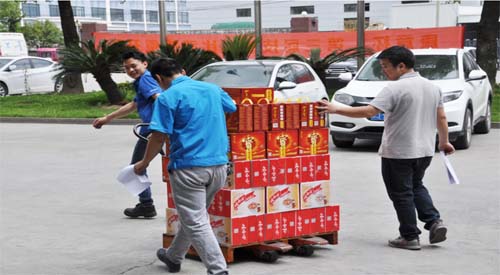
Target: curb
{"x": 125, "y": 121}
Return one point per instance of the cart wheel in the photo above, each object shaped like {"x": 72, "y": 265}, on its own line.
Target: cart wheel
{"x": 304, "y": 250}
{"x": 268, "y": 256}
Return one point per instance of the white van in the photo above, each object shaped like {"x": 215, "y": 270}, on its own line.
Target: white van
{"x": 12, "y": 44}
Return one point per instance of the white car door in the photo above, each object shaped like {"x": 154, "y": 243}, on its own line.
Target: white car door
{"x": 307, "y": 86}
{"x": 18, "y": 76}
{"x": 473, "y": 88}
{"x": 41, "y": 76}
{"x": 285, "y": 73}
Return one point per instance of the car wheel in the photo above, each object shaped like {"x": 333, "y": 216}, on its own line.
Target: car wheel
{"x": 484, "y": 126}
{"x": 58, "y": 85}
{"x": 463, "y": 141}
{"x": 3, "y": 89}
{"x": 343, "y": 143}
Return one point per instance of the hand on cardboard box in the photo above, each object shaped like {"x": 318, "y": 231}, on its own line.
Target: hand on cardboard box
{"x": 326, "y": 107}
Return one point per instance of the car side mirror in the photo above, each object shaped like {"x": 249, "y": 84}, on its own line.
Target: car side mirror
{"x": 345, "y": 77}
{"x": 476, "y": 75}
{"x": 11, "y": 68}
{"x": 285, "y": 85}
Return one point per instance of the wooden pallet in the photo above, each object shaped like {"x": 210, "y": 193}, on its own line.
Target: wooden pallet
{"x": 330, "y": 237}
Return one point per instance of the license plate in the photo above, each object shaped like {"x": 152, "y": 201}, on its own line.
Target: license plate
{"x": 378, "y": 117}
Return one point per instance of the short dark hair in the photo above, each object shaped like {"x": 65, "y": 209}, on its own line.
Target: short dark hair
{"x": 135, "y": 55}
{"x": 398, "y": 54}
{"x": 165, "y": 67}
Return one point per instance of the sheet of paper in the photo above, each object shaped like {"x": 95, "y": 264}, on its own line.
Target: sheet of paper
{"x": 134, "y": 183}
{"x": 452, "y": 176}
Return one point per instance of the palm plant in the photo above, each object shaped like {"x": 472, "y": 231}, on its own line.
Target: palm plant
{"x": 238, "y": 47}
{"x": 189, "y": 57}
{"x": 98, "y": 59}
{"x": 320, "y": 65}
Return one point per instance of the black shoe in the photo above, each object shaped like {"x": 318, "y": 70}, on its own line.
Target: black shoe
{"x": 162, "y": 255}
{"x": 400, "y": 242}
{"x": 437, "y": 233}
{"x": 140, "y": 209}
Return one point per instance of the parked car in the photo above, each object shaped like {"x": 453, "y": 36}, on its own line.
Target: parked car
{"x": 27, "y": 74}
{"x": 291, "y": 80}
{"x": 467, "y": 96}
{"x": 12, "y": 44}
{"x": 335, "y": 69}
{"x": 51, "y": 53}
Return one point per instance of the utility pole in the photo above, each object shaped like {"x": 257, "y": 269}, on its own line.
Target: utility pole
{"x": 258, "y": 29}
{"x": 163, "y": 27}
{"x": 361, "y": 30}
{"x": 437, "y": 13}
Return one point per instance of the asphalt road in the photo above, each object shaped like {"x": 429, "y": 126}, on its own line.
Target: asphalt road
{"x": 61, "y": 210}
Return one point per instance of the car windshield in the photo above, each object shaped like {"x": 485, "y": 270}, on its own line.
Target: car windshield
{"x": 4, "y": 61}
{"x": 227, "y": 75}
{"x": 432, "y": 67}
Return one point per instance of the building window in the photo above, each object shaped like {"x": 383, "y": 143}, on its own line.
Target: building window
{"x": 300, "y": 9}
{"x": 98, "y": 13}
{"x": 414, "y": 2}
{"x": 31, "y": 10}
{"x": 184, "y": 17}
{"x": 350, "y": 24}
{"x": 170, "y": 16}
{"x": 117, "y": 15}
{"x": 244, "y": 12}
{"x": 152, "y": 16}
{"x": 136, "y": 15}
{"x": 78, "y": 11}
{"x": 353, "y": 7}
{"x": 53, "y": 10}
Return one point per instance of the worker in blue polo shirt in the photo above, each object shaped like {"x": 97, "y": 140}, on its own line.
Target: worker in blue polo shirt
{"x": 191, "y": 114}
{"x": 147, "y": 90}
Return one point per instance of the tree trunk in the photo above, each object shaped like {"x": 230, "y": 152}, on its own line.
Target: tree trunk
{"x": 487, "y": 35}
{"x": 110, "y": 88}
{"x": 72, "y": 83}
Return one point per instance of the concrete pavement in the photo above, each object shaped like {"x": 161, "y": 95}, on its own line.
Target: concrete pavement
{"x": 61, "y": 210}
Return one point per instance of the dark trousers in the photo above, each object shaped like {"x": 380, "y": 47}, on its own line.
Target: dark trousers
{"x": 139, "y": 150}
{"x": 403, "y": 180}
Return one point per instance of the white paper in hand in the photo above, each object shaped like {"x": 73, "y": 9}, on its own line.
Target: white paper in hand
{"x": 134, "y": 183}
{"x": 452, "y": 176}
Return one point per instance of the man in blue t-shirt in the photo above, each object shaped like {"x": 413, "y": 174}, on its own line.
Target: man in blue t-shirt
{"x": 147, "y": 90}
{"x": 191, "y": 114}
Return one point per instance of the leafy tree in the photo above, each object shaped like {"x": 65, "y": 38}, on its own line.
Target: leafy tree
{"x": 42, "y": 34}
{"x": 319, "y": 64}
{"x": 238, "y": 47}
{"x": 10, "y": 16}
{"x": 487, "y": 35}
{"x": 98, "y": 59}
{"x": 189, "y": 57}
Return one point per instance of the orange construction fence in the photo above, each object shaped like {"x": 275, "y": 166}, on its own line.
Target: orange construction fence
{"x": 283, "y": 44}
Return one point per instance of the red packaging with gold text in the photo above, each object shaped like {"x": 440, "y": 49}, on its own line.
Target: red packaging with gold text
{"x": 260, "y": 173}
{"x": 277, "y": 116}
{"x": 254, "y": 94}
{"x": 319, "y": 120}
{"x": 292, "y": 116}
{"x": 293, "y": 170}
{"x": 277, "y": 171}
{"x": 242, "y": 119}
{"x": 306, "y": 115}
{"x": 261, "y": 115}
{"x": 308, "y": 166}
{"x": 282, "y": 144}
{"x": 323, "y": 167}
{"x": 313, "y": 141}
{"x": 247, "y": 146}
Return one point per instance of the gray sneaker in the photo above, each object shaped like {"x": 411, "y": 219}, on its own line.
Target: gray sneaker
{"x": 400, "y": 242}
{"x": 437, "y": 233}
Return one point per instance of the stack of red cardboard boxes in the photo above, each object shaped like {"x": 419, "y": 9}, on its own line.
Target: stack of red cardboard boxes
{"x": 278, "y": 182}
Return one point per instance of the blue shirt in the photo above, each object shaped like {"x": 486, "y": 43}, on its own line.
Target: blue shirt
{"x": 192, "y": 114}
{"x": 145, "y": 86}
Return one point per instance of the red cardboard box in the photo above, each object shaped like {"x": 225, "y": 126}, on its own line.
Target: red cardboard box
{"x": 256, "y": 229}
{"x": 313, "y": 141}
{"x": 230, "y": 231}
{"x": 272, "y": 227}
{"x": 277, "y": 116}
{"x": 332, "y": 216}
{"x": 260, "y": 173}
{"x": 170, "y": 196}
{"x": 281, "y": 198}
{"x": 173, "y": 221}
{"x": 302, "y": 227}
{"x": 239, "y": 175}
{"x": 254, "y": 94}
{"x": 261, "y": 116}
{"x": 321, "y": 217}
{"x": 293, "y": 170}
{"x": 308, "y": 166}
{"x": 288, "y": 224}
{"x": 277, "y": 172}
{"x": 314, "y": 225}
{"x": 306, "y": 115}
{"x": 323, "y": 167}
{"x": 282, "y": 144}
{"x": 248, "y": 146}
{"x": 239, "y": 202}
{"x": 315, "y": 194}
{"x": 164, "y": 169}
{"x": 292, "y": 116}
{"x": 242, "y": 119}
